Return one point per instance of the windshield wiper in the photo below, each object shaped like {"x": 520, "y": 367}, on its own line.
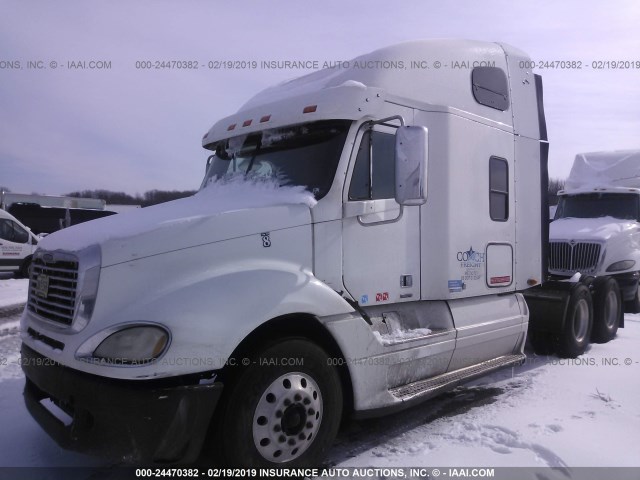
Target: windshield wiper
{"x": 253, "y": 158}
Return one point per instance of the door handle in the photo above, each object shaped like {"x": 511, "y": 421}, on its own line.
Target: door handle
{"x": 366, "y": 207}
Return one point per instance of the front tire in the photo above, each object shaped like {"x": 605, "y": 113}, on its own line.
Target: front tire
{"x": 607, "y": 310}
{"x": 574, "y": 339}
{"x": 25, "y": 268}
{"x": 283, "y": 410}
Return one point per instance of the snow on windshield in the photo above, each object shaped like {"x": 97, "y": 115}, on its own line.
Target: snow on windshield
{"x": 253, "y": 190}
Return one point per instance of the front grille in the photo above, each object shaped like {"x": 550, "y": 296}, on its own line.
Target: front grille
{"x": 580, "y": 257}
{"x": 52, "y": 289}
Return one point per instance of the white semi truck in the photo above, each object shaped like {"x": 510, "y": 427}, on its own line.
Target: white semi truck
{"x": 597, "y": 223}
{"x": 360, "y": 243}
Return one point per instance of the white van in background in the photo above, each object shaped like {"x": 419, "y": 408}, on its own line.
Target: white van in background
{"x": 17, "y": 245}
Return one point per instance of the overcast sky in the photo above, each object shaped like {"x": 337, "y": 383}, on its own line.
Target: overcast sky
{"x": 134, "y": 130}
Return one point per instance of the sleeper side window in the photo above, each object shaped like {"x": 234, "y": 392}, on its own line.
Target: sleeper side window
{"x": 490, "y": 87}
{"x": 374, "y": 171}
{"x": 498, "y": 189}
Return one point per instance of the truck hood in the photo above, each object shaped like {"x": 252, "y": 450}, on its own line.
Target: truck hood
{"x": 603, "y": 228}
{"x": 219, "y": 212}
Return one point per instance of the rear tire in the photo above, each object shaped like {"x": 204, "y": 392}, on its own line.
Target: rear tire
{"x": 633, "y": 306}
{"x": 575, "y": 336}
{"x": 607, "y": 309}
{"x": 279, "y": 414}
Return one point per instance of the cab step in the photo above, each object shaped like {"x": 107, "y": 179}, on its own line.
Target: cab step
{"x": 431, "y": 386}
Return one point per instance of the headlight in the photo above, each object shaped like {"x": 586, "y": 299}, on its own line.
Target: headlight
{"x": 133, "y": 345}
{"x": 90, "y": 260}
{"x": 619, "y": 266}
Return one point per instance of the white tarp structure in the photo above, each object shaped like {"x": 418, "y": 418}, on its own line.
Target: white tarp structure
{"x": 620, "y": 168}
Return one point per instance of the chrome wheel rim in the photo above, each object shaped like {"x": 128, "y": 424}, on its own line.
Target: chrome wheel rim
{"x": 611, "y": 309}
{"x": 581, "y": 320}
{"x": 287, "y": 417}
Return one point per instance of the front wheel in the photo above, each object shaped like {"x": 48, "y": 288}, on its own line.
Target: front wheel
{"x": 25, "y": 268}
{"x": 283, "y": 410}
{"x": 607, "y": 309}
{"x": 574, "y": 339}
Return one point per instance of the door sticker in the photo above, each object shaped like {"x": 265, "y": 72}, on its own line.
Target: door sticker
{"x": 504, "y": 279}
{"x": 471, "y": 264}
{"x": 382, "y": 297}
{"x": 455, "y": 286}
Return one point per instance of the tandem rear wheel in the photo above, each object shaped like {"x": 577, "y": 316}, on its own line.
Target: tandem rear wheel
{"x": 633, "y": 306}
{"x": 607, "y": 309}
{"x": 576, "y": 333}
{"x": 594, "y": 311}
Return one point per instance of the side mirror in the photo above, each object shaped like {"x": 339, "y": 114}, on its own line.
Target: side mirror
{"x": 412, "y": 155}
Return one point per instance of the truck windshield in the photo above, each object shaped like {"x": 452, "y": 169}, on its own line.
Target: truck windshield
{"x": 305, "y": 154}
{"x": 594, "y": 205}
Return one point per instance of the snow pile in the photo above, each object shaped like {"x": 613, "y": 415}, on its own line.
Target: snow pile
{"x": 13, "y": 292}
{"x": 353, "y": 83}
{"x": 605, "y": 169}
{"x": 549, "y": 412}
{"x": 221, "y": 195}
{"x": 401, "y": 335}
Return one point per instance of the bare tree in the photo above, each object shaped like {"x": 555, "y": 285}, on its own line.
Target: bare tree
{"x": 555, "y": 185}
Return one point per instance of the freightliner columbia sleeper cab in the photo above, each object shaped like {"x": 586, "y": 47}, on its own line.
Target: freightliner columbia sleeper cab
{"x": 246, "y": 321}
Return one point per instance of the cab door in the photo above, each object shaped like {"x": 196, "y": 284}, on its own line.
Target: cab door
{"x": 14, "y": 245}
{"x": 381, "y": 239}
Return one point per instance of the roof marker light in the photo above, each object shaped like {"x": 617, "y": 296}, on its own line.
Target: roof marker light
{"x": 310, "y": 109}
{"x": 231, "y": 127}
{"x": 246, "y": 123}
{"x": 265, "y": 118}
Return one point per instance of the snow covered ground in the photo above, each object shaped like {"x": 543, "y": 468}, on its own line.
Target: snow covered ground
{"x": 547, "y": 412}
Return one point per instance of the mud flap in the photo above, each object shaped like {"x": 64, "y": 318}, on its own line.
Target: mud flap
{"x": 548, "y": 305}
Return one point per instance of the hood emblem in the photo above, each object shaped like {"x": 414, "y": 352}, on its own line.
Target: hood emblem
{"x": 48, "y": 258}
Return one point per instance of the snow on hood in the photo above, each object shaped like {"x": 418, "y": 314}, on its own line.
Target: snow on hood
{"x": 602, "y": 228}
{"x": 188, "y": 221}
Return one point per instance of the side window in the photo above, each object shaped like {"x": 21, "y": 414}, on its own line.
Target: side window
{"x": 374, "y": 172}
{"x": 490, "y": 87}
{"x": 20, "y": 235}
{"x": 6, "y": 232}
{"x": 498, "y": 189}
{"x": 13, "y": 232}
